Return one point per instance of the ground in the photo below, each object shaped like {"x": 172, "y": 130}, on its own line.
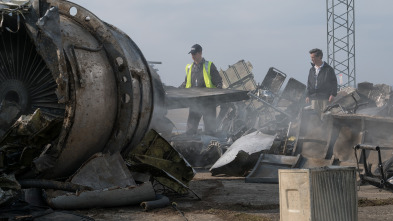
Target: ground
{"x": 230, "y": 198}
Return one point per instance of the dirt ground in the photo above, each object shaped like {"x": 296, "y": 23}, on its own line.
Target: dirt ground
{"x": 230, "y": 198}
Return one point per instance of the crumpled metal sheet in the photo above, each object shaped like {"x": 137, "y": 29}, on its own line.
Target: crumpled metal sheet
{"x": 378, "y": 93}
{"x": 157, "y": 157}
{"x": 200, "y": 150}
{"x": 242, "y": 155}
{"x": 27, "y": 126}
{"x": 27, "y": 139}
{"x": 103, "y": 171}
{"x": 346, "y": 101}
{"x": 273, "y": 80}
{"x": 291, "y": 99}
{"x": 101, "y": 198}
{"x": 111, "y": 180}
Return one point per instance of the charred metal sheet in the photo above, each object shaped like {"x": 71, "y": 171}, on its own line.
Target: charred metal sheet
{"x": 156, "y": 156}
{"x": 101, "y": 198}
{"x": 346, "y": 101}
{"x": 294, "y": 91}
{"x": 239, "y": 77}
{"x": 188, "y": 97}
{"x": 26, "y": 127}
{"x": 379, "y": 94}
{"x": 104, "y": 171}
{"x": 266, "y": 169}
{"x": 266, "y": 98}
{"x": 291, "y": 100}
{"x": 257, "y": 98}
{"x": 26, "y": 141}
{"x": 273, "y": 80}
{"x": 199, "y": 150}
{"x": 242, "y": 155}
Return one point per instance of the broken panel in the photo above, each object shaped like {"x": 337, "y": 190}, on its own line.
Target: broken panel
{"x": 239, "y": 77}
{"x": 156, "y": 156}
{"x": 242, "y": 155}
{"x": 291, "y": 99}
{"x": 273, "y": 80}
{"x": 104, "y": 171}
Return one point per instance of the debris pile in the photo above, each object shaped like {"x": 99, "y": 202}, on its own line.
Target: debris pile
{"x": 288, "y": 134}
{"x": 267, "y": 112}
{"x": 104, "y": 180}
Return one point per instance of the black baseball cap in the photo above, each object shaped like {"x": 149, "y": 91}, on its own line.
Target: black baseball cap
{"x": 195, "y": 48}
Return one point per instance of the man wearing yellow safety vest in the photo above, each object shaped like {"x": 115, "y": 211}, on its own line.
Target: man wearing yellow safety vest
{"x": 202, "y": 74}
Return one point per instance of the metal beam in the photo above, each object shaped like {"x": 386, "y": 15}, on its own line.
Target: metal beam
{"x": 341, "y": 40}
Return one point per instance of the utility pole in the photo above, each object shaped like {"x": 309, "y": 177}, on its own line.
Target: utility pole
{"x": 341, "y": 40}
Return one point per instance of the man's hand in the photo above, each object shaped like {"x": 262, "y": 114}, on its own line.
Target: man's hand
{"x": 331, "y": 98}
{"x": 307, "y": 100}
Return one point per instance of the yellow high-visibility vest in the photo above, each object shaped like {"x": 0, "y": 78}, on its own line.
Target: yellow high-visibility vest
{"x": 206, "y": 74}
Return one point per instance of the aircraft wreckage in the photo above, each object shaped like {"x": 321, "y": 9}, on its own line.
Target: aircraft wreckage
{"x": 77, "y": 95}
{"x": 275, "y": 130}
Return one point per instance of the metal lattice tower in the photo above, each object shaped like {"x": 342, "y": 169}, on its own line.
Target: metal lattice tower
{"x": 341, "y": 40}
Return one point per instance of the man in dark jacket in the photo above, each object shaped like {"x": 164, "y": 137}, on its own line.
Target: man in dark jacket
{"x": 322, "y": 82}
{"x": 201, "y": 74}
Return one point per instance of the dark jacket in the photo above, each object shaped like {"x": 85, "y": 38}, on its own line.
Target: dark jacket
{"x": 197, "y": 79}
{"x": 327, "y": 83}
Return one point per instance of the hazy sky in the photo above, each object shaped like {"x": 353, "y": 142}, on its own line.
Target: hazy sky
{"x": 267, "y": 33}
